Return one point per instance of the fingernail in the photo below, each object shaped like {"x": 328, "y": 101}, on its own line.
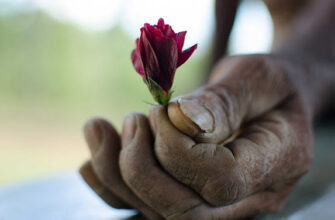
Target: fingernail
{"x": 94, "y": 136}
{"x": 198, "y": 113}
{"x": 129, "y": 129}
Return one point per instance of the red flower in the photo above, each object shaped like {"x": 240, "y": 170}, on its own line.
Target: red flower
{"x": 157, "y": 55}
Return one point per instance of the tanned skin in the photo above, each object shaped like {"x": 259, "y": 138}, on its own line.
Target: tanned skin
{"x": 235, "y": 147}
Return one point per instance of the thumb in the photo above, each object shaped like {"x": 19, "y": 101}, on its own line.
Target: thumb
{"x": 244, "y": 88}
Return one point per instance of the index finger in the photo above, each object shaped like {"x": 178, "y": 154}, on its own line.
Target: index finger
{"x": 147, "y": 180}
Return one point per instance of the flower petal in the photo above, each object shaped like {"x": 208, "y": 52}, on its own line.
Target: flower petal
{"x": 148, "y": 56}
{"x": 160, "y": 23}
{"x": 168, "y": 31}
{"x": 157, "y": 39}
{"x": 183, "y": 57}
{"x": 152, "y": 32}
{"x": 168, "y": 58}
{"x": 165, "y": 28}
{"x": 137, "y": 61}
{"x": 180, "y": 37}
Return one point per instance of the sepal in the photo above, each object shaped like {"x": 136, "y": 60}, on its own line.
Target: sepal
{"x": 157, "y": 92}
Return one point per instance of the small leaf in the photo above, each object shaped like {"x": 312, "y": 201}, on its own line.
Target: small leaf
{"x": 157, "y": 92}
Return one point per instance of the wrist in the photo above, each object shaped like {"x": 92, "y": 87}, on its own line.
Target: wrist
{"x": 313, "y": 80}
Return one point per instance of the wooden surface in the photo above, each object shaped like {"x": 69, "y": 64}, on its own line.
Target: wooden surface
{"x": 65, "y": 196}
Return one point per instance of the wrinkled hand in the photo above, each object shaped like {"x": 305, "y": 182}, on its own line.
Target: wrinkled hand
{"x": 232, "y": 149}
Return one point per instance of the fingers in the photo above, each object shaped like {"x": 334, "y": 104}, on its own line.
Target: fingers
{"x": 104, "y": 144}
{"x": 92, "y": 180}
{"x": 271, "y": 150}
{"x": 143, "y": 175}
{"x": 241, "y": 89}
{"x": 209, "y": 169}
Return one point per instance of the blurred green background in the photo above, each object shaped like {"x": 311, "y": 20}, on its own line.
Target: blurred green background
{"x": 63, "y": 62}
{"x": 53, "y": 77}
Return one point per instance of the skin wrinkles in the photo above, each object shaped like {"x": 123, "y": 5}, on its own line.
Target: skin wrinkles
{"x": 250, "y": 141}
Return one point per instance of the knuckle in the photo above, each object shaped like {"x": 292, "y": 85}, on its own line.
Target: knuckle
{"x": 133, "y": 180}
{"x": 226, "y": 111}
{"x": 135, "y": 172}
{"x": 223, "y": 191}
{"x": 219, "y": 196}
{"x": 233, "y": 61}
{"x": 182, "y": 165}
{"x": 165, "y": 153}
{"x": 229, "y": 104}
{"x": 129, "y": 167}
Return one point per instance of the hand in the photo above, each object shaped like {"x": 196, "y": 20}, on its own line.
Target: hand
{"x": 253, "y": 173}
{"x": 102, "y": 171}
{"x": 130, "y": 177}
